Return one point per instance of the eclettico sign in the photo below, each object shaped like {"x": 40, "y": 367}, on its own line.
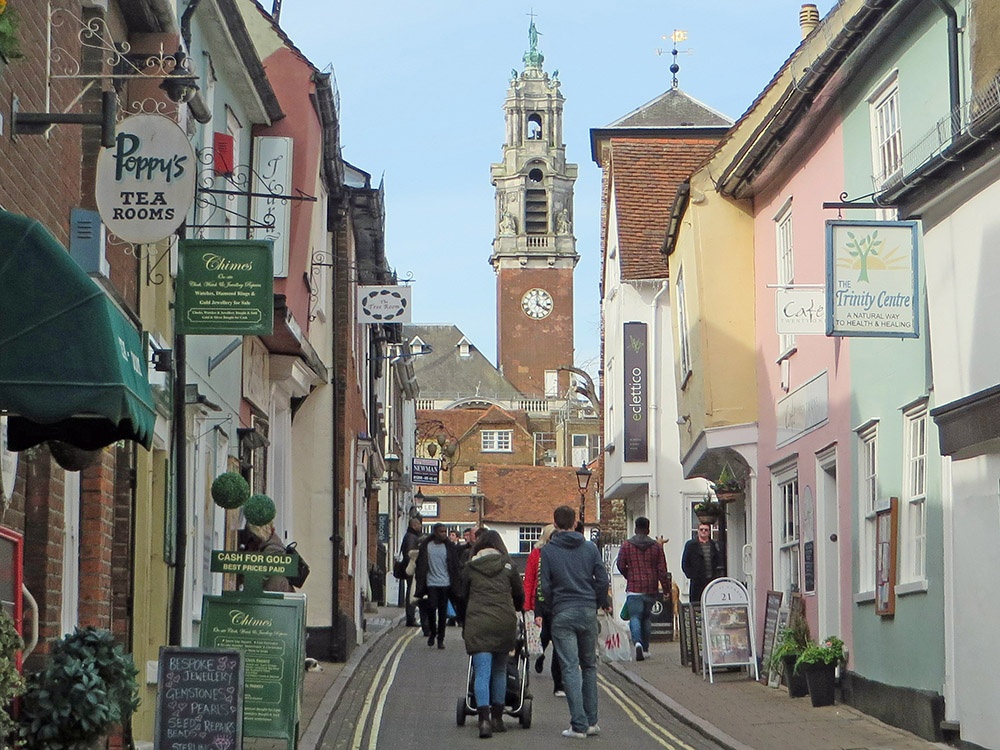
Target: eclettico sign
{"x": 636, "y": 393}
{"x": 146, "y": 181}
{"x": 226, "y": 287}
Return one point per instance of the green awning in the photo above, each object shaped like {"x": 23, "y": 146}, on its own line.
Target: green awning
{"x": 72, "y": 366}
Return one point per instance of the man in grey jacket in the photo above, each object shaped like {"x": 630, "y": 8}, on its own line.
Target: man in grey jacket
{"x": 575, "y": 583}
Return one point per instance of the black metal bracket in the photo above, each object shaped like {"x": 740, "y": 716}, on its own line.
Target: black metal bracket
{"x": 857, "y": 202}
{"x": 36, "y": 123}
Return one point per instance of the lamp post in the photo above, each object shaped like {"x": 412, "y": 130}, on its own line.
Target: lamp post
{"x": 582, "y": 482}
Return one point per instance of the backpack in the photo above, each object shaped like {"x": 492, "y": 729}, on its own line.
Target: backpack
{"x": 299, "y": 579}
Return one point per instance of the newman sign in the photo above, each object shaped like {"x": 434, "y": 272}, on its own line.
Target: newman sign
{"x": 146, "y": 181}
{"x": 636, "y": 393}
{"x": 871, "y": 270}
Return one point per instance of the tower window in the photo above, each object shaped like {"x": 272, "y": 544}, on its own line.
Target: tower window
{"x": 536, "y": 210}
{"x": 535, "y": 175}
{"x": 534, "y": 127}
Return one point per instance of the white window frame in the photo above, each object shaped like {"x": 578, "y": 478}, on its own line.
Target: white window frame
{"x": 552, "y": 384}
{"x": 527, "y": 536}
{"x": 683, "y": 334}
{"x": 913, "y": 516}
{"x": 496, "y": 441}
{"x": 785, "y": 513}
{"x": 785, "y": 257}
{"x": 886, "y": 131}
{"x": 867, "y": 505}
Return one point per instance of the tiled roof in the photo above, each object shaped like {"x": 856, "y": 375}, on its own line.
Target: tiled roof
{"x": 529, "y": 494}
{"x": 445, "y": 373}
{"x": 646, "y": 172}
{"x": 673, "y": 109}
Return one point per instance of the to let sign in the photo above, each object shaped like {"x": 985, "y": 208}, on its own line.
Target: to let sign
{"x": 146, "y": 181}
{"x": 225, "y": 287}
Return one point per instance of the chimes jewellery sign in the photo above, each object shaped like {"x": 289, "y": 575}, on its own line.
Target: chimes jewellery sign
{"x": 146, "y": 181}
{"x": 871, "y": 269}
{"x": 636, "y": 392}
{"x": 225, "y": 287}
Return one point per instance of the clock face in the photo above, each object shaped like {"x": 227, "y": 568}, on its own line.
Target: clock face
{"x": 536, "y": 303}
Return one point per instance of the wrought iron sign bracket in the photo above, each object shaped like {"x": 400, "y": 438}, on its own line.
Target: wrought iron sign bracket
{"x": 856, "y": 203}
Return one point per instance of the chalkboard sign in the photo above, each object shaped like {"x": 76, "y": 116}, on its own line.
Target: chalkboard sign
{"x": 809, "y": 565}
{"x": 770, "y": 626}
{"x": 697, "y": 639}
{"x": 684, "y": 621}
{"x": 199, "y": 705}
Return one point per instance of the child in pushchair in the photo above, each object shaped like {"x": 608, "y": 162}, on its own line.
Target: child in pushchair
{"x": 517, "y": 701}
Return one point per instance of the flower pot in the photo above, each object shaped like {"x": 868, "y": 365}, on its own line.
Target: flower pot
{"x": 729, "y": 497}
{"x": 709, "y": 518}
{"x": 822, "y": 680}
{"x": 796, "y": 681}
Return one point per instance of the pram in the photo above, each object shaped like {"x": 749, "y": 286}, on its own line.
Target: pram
{"x": 517, "y": 700}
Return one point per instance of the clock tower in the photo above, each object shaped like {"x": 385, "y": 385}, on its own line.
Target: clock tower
{"x": 534, "y": 252}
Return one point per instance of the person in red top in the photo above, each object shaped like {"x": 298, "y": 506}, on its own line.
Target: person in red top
{"x": 642, "y": 562}
{"x": 531, "y": 574}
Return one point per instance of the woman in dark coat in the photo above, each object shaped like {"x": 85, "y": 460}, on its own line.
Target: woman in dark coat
{"x": 494, "y": 595}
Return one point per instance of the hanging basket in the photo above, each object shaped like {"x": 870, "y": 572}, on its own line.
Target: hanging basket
{"x": 709, "y": 518}
{"x": 730, "y": 496}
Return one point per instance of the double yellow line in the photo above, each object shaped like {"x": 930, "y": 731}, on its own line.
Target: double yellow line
{"x": 375, "y": 698}
{"x": 640, "y": 718}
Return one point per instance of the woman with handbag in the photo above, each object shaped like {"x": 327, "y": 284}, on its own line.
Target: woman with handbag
{"x": 493, "y": 595}
{"x": 532, "y": 597}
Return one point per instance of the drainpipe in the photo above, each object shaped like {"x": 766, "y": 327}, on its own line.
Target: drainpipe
{"x": 180, "y": 490}
{"x": 654, "y": 406}
{"x": 953, "y": 84}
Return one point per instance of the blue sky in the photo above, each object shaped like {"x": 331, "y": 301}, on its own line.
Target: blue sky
{"x": 422, "y": 87}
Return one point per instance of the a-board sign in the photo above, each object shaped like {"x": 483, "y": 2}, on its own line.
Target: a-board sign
{"x": 770, "y": 625}
{"x": 774, "y": 675}
{"x": 684, "y": 621}
{"x": 199, "y": 705}
{"x": 270, "y": 632}
{"x": 697, "y": 638}
{"x": 728, "y": 629}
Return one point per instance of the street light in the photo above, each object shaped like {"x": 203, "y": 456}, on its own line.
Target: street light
{"x": 582, "y": 482}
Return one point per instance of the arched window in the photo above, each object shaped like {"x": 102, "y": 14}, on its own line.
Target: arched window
{"x": 534, "y": 127}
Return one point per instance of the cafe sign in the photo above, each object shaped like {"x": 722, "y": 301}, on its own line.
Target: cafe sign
{"x": 225, "y": 287}
{"x": 146, "y": 181}
{"x": 871, "y": 269}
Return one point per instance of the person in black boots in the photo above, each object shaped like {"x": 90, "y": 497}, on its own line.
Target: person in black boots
{"x": 494, "y": 594}
{"x": 411, "y": 541}
{"x": 437, "y": 579}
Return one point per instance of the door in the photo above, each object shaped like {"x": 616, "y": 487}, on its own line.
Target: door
{"x": 827, "y": 544}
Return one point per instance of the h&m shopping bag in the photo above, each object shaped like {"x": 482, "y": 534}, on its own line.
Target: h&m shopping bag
{"x": 533, "y": 634}
{"x": 613, "y": 642}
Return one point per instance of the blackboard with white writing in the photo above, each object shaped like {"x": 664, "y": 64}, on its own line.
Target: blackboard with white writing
{"x": 199, "y": 705}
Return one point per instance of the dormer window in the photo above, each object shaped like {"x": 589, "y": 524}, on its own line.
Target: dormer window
{"x": 464, "y": 348}
{"x": 534, "y": 127}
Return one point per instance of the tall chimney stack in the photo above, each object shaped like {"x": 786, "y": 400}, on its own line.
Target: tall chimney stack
{"x": 808, "y": 18}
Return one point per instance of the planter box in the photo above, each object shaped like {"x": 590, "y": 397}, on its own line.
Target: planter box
{"x": 796, "y": 681}
{"x": 822, "y": 683}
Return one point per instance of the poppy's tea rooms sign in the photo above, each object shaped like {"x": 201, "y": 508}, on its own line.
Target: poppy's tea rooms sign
{"x": 871, "y": 269}
{"x": 636, "y": 392}
{"x": 225, "y": 287}
{"x": 146, "y": 181}
{"x": 384, "y": 304}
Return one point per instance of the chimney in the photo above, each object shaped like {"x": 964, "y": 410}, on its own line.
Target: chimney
{"x": 808, "y": 18}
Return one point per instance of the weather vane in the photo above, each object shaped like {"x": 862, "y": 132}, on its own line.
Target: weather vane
{"x": 679, "y": 35}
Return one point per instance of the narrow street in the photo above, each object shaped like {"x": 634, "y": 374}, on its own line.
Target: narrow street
{"x": 405, "y": 695}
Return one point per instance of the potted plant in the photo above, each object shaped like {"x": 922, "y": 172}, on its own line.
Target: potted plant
{"x": 789, "y": 644}
{"x": 10, "y": 43}
{"x": 11, "y": 684}
{"x": 86, "y": 688}
{"x": 819, "y": 661}
{"x": 708, "y": 511}
{"x": 728, "y": 487}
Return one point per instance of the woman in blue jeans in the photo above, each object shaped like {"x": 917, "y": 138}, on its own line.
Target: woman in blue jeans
{"x": 494, "y": 595}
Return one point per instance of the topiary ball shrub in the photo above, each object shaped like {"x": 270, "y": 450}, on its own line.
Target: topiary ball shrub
{"x": 259, "y": 510}
{"x": 230, "y": 490}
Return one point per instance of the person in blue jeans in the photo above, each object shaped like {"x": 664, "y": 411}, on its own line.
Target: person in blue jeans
{"x": 642, "y": 562}
{"x": 494, "y": 594}
{"x": 575, "y": 583}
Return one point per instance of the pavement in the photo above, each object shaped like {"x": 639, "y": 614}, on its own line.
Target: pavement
{"x": 736, "y": 712}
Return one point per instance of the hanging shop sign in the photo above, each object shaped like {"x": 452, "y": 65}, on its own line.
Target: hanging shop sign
{"x": 146, "y": 181}
{"x": 269, "y": 205}
{"x": 871, "y": 270}
{"x": 800, "y": 311}
{"x": 425, "y": 470}
{"x": 225, "y": 287}
{"x": 636, "y": 392}
{"x": 384, "y": 304}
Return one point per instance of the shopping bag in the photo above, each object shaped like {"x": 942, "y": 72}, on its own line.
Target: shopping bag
{"x": 533, "y": 634}
{"x": 613, "y": 642}
{"x": 624, "y": 614}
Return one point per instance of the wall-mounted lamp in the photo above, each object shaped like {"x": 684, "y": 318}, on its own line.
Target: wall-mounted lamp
{"x": 683, "y": 419}
{"x": 392, "y": 462}
{"x": 180, "y": 82}
{"x": 583, "y": 475}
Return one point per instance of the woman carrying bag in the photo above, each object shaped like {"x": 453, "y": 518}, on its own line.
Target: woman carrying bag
{"x": 531, "y": 593}
{"x": 493, "y": 595}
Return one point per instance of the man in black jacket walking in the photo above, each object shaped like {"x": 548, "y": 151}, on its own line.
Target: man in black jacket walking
{"x": 701, "y": 561}
{"x": 437, "y": 579}
{"x": 411, "y": 541}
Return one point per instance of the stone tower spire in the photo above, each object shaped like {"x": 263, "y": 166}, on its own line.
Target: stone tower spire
{"x": 534, "y": 251}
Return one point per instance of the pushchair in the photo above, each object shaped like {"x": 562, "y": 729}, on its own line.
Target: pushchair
{"x": 517, "y": 700}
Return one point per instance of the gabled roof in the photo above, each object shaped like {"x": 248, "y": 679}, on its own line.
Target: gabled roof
{"x": 672, "y": 109}
{"x": 445, "y": 373}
